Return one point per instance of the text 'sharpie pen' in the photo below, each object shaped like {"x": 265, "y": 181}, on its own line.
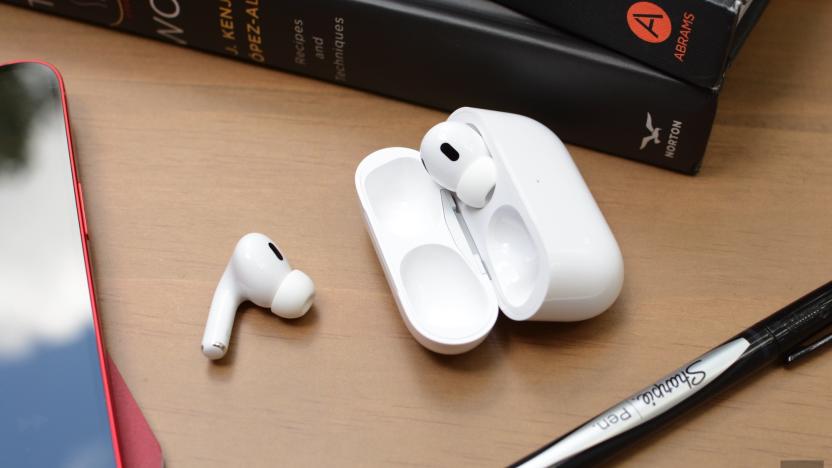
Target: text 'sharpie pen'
{"x": 790, "y": 334}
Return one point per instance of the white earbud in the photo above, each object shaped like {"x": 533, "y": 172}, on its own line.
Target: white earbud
{"x": 257, "y": 272}
{"x": 455, "y": 155}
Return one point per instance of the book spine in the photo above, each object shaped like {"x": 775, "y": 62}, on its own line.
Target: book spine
{"x": 691, "y": 40}
{"x": 442, "y": 57}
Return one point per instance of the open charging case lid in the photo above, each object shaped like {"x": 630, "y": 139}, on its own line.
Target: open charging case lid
{"x": 540, "y": 249}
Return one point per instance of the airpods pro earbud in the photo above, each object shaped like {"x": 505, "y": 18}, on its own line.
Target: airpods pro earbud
{"x": 257, "y": 272}
{"x": 455, "y": 155}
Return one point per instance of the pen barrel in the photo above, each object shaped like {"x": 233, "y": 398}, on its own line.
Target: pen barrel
{"x": 672, "y": 396}
{"x": 800, "y": 320}
{"x": 653, "y": 407}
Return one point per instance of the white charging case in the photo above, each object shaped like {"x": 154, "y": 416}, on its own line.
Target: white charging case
{"x": 540, "y": 249}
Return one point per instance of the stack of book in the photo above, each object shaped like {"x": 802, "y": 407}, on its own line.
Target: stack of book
{"x": 638, "y": 79}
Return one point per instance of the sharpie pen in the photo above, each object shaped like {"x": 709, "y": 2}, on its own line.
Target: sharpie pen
{"x": 789, "y": 334}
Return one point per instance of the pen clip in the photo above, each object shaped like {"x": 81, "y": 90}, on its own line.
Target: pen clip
{"x": 803, "y": 350}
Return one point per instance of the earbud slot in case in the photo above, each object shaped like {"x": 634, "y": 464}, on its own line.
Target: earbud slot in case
{"x": 443, "y": 292}
{"x": 540, "y": 249}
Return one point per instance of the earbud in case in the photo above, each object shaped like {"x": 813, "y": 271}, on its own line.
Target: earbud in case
{"x": 538, "y": 248}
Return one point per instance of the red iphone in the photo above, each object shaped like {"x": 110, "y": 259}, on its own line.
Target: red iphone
{"x": 55, "y": 406}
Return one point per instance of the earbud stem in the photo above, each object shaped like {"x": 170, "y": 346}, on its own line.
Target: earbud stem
{"x": 221, "y": 317}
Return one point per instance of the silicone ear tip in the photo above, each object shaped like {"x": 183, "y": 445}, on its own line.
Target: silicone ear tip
{"x": 294, "y": 296}
{"x": 477, "y": 183}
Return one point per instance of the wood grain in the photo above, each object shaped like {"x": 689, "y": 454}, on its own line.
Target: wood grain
{"x": 181, "y": 152}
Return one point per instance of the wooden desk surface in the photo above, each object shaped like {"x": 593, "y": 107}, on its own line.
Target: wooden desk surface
{"x": 181, "y": 152}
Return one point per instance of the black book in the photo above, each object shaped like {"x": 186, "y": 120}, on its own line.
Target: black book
{"x": 694, "y": 40}
{"x": 444, "y": 54}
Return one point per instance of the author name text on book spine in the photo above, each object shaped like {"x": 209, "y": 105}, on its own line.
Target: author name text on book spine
{"x": 251, "y": 29}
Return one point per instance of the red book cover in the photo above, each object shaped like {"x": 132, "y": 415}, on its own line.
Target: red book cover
{"x": 139, "y": 447}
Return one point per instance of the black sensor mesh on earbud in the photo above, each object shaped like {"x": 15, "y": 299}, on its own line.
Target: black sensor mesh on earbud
{"x": 276, "y": 252}
{"x": 449, "y": 151}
